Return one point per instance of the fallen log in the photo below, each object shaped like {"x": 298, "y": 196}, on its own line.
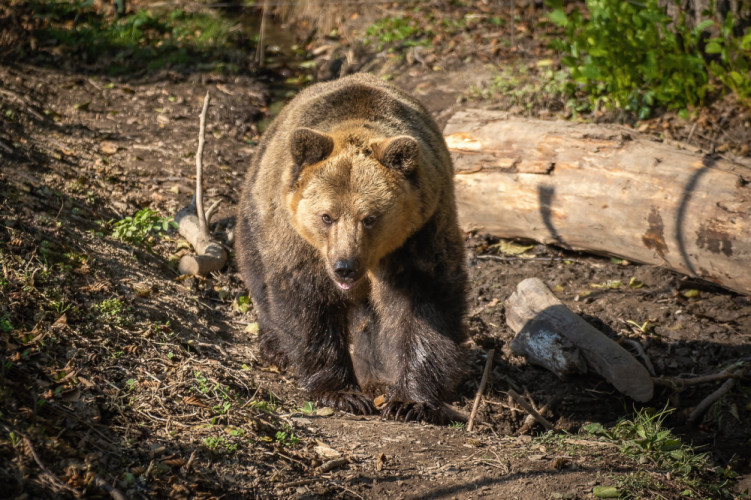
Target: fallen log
{"x": 535, "y": 314}
{"x": 603, "y": 189}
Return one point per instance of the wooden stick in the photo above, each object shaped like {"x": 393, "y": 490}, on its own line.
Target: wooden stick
{"x": 642, "y": 354}
{"x": 104, "y": 485}
{"x": 530, "y": 419}
{"x": 193, "y": 222}
{"x": 481, "y": 389}
{"x": 529, "y": 409}
{"x": 734, "y": 371}
{"x": 46, "y": 473}
{"x": 710, "y": 400}
{"x": 202, "y": 223}
{"x": 333, "y": 464}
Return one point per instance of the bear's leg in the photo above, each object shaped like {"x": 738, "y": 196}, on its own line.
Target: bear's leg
{"x": 424, "y": 331}
{"x": 313, "y": 336}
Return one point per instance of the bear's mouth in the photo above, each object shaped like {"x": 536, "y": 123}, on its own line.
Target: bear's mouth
{"x": 346, "y": 284}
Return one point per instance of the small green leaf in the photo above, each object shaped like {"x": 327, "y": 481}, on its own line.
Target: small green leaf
{"x": 510, "y": 248}
{"x": 707, "y": 23}
{"x": 713, "y": 48}
{"x": 606, "y": 492}
{"x": 595, "y": 428}
{"x": 635, "y": 283}
{"x": 558, "y": 17}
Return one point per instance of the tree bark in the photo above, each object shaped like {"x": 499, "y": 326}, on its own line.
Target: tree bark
{"x": 604, "y": 189}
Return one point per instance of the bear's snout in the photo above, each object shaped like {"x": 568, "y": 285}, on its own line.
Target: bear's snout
{"x": 345, "y": 268}
{"x": 346, "y": 272}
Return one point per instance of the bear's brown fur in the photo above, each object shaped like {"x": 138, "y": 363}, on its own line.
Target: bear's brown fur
{"x": 347, "y": 237}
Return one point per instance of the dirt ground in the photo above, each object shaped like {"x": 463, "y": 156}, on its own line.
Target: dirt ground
{"x": 120, "y": 378}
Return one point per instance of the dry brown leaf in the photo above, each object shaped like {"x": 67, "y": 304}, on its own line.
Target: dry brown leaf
{"x": 72, "y": 396}
{"x": 108, "y": 147}
{"x": 86, "y": 382}
{"x": 326, "y": 452}
{"x": 380, "y": 460}
{"x": 194, "y": 401}
{"x": 175, "y": 462}
{"x": 379, "y": 401}
{"x": 60, "y": 322}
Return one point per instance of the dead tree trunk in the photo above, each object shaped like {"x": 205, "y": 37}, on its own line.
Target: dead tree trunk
{"x": 605, "y": 190}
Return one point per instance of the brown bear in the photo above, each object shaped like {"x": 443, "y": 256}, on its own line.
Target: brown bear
{"x": 347, "y": 238}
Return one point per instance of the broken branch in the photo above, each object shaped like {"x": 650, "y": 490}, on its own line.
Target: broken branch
{"x": 193, "y": 222}
{"x": 529, "y": 409}
{"x": 734, "y": 371}
{"x": 551, "y": 335}
{"x": 710, "y": 400}
{"x": 481, "y": 389}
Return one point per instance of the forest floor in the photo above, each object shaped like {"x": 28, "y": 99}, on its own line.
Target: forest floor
{"x": 121, "y": 379}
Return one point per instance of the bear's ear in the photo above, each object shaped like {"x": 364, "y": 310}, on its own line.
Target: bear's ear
{"x": 400, "y": 153}
{"x": 308, "y": 147}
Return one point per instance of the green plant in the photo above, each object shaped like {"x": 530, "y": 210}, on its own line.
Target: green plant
{"x": 137, "y": 229}
{"x": 242, "y": 304}
{"x": 215, "y": 444}
{"x": 403, "y": 29}
{"x": 266, "y": 406}
{"x": 286, "y": 437}
{"x": 114, "y": 312}
{"x": 5, "y": 324}
{"x": 110, "y": 307}
{"x": 309, "y": 408}
{"x": 148, "y": 39}
{"x": 645, "y": 439}
{"x": 631, "y": 56}
{"x": 646, "y": 435}
{"x": 733, "y": 59}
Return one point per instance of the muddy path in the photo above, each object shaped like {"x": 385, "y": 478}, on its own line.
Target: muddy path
{"x": 120, "y": 377}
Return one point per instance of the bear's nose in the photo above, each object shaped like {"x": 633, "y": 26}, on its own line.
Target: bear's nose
{"x": 345, "y": 268}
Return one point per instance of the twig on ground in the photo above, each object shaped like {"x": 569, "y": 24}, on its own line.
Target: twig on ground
{"x": 23, "y": 101}
{"x": 333, "y": 464}
{"x": 527, "y": 259}
{"x": 104, "y": 485}
{"x": 710, "y": 400}
{"x": 47, "y": 475}
{"x": 6, "y": 148}
{"x": 529, "y": 409}
{"x": 481, "y": 389}
{"x": 736, "y": 370}
{"x": 641, "y": 353}
{"x": 194, "y": 223}
{"x": 529, "y": 420}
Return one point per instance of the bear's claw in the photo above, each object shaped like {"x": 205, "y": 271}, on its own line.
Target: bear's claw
{"x": 425, "y": 412}
{"x": 349, "y": 401}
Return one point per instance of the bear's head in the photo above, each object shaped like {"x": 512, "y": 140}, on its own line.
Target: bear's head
{"x": 354, "y": 196}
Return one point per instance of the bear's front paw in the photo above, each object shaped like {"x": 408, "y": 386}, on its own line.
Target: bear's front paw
{"x": 270, "y": 351}
{"x": 426, "y": 412}
{"x": 350, "y": 401}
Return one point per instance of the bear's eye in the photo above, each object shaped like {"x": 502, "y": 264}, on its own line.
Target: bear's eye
{"x": 326, "y": 218}
{"x": 369, "y": 221}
